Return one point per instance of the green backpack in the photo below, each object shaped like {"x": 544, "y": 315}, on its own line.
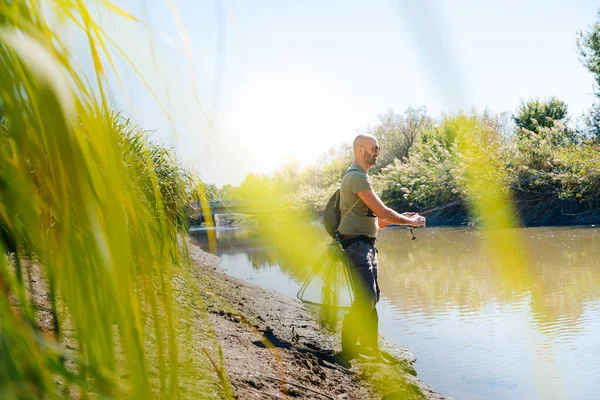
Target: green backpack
{"x": 332, "y": 215}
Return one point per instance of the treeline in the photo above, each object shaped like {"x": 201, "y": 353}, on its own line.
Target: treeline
{"x": 549, "y": 161}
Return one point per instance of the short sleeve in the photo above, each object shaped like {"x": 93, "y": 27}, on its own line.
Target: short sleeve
{"x": 359, "y": 182}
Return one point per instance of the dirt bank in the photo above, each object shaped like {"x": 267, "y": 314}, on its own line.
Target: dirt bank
{"x": 273, "y": 347}
{"x": 270, "y": 345}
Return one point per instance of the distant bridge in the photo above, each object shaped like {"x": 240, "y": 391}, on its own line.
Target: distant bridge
{"x": 229, "y": 207}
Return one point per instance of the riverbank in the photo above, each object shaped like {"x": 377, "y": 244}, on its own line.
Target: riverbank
{"x": 273, "y": 347}
{"x": 250, "y": 342}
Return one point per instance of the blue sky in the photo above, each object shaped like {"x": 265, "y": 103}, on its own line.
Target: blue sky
{"x": 289, "y": 79}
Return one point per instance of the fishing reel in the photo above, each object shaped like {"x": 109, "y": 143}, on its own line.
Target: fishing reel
{"x": 412, "y": 232}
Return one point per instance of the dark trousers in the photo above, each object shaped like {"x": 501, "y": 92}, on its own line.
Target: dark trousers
{"x": 362, "y": 322}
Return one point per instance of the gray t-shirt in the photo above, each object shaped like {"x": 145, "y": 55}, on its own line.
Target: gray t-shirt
{"x": 356, "y": 219}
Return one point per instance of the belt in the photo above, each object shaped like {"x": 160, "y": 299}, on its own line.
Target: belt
{"x": 347, "y": 240}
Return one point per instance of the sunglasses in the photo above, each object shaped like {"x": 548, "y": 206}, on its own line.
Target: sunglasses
{"x": 375, "y": 149}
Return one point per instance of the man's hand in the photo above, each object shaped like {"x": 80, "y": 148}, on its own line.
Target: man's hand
{"x": 389, "y": 216}
{"x": 418, "y": 220}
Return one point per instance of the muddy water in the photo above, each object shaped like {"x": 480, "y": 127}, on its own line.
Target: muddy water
{"x": 527, "y": 328}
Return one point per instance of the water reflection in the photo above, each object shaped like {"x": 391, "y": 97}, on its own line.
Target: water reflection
{"x": 450, "y": 268}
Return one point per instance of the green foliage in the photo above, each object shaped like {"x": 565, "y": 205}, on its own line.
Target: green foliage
{"x": 435, "y": 173}
{"x": 155, "y": 164}
{"x": 425, "y": 180}
{"x": 287, "y": 176}
{"x": 97, "y": 208}
{"x": 397, "y": 133}
{"x": 442, "y": 134}
{"x": 334, "y": 163}
{"x": 588, "y": 44}
{"x": 255, "y": 187}
{"x": 535, "y": 114}
{"x": 311, "y": 176}
{"x": 309, "y": 199}
{"x": 591, "y": 123}
{"x": 537, "y": 165}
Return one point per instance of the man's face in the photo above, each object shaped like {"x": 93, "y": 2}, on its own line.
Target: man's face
{"x": 371, "y": 152}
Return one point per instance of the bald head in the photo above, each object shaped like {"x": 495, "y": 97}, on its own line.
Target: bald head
{"x": 366, "y": 150}
{"x": 363, "y": 140}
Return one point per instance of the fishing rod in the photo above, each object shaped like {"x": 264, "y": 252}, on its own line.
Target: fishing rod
{"x": 444, "y": 206}
{"x": 447, "y": 205}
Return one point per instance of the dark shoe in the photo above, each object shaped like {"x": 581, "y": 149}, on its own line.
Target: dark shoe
{"x": 365, "y": 351}
{"x": 379, "y": 358}
{"x": 372, "y": 354}
{"x": 343, "y": 361}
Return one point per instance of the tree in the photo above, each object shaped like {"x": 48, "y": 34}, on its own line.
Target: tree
{"x": 589, "y": 126}
{"x": 397, "y": 133}
{"x": 287, "y": 176}
{"x": 225, "y": 192}
{"x": 588, "y": 44}
{"x": 334, "y": 163}
{"x": 548, "y": 119}
{"x": 211, "y": 191}
{"x": 312, "y": 176}
{"x": 535, "y": 114}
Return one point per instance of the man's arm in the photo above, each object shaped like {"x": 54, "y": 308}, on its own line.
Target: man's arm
{"x": 371, "y": 200}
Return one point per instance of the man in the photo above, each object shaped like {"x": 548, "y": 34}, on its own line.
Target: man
{"x": 362, "y": 212}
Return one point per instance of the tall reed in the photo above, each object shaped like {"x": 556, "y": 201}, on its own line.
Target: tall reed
{"x": 96, "y": 207}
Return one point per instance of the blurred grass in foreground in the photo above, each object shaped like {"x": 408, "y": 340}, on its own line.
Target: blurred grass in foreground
{"x": 98, "y": 208}
{"x": 484, "y": 181}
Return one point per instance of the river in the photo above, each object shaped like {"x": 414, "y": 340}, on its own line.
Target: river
{"x": 479, "y": 330}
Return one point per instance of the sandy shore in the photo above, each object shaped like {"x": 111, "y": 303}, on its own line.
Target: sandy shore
{"x": 273, "y": 346}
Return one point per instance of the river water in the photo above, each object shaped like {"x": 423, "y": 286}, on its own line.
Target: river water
{"x": 479, "y": 330}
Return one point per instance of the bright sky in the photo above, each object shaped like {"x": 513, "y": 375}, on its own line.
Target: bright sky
{"x": 289, "y": 79}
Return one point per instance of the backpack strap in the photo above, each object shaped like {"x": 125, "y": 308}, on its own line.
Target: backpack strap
{"x": 357, "y": 200}
{"x": 350, "y": 209}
